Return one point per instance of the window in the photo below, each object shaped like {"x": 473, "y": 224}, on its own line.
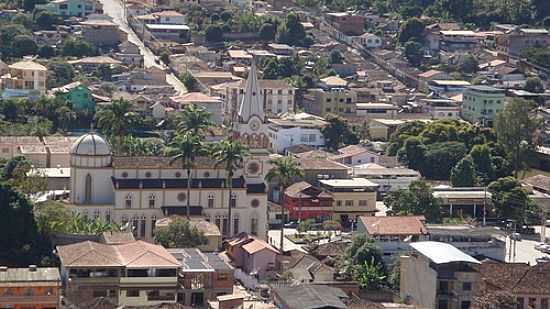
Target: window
{"x": 142, "y": 227}
{"x": 338, "y": 203}
{"x": 254, "y": 226}
{"x": 465, "y": 305}
{"x": 210, "y": 200}
{"x": 519, "y": 303}
{"x": 233, "y": 201}
{"x": 235, "y": 225}
{"x": 222, "y": 276}
{"x": 152, "y": 200}
{"x": 532, "y": 302}
{"x": 128, "y": 201}
{"x": 362, "y": 202}
{"x": 255, "y": 203}
{"x": 124, "y": 174}
{"x": 544, "y": 303}
{"x": 218, "y": 222}
{"x": 177, "y": 174}
{"x": 88, "y": 189}
{"x": 148, "y": 174}
{"x": 466, "y": 286}
{"x": 132, "y": 293}
{"x": 280, "y": 91}
{"x": 349, "y": 202}
{"x": 153, "y": 223}
{"x": 182, "y": 197}
{"x": 28, "y": 292}
{"x": 225, "y": 226}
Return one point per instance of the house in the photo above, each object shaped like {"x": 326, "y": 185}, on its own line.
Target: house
{"x": 447, "y": 87}
{"x": 383, "y": 129}
{"x": 24, "y": 78}
{"x": 129, "y": 274}
{"x": 369, "y": 40}
{"x": 351, "y": 198}
{"x": 102, "y": 32}
{"x": 346, "y": 22}
{"x": 330, "y": 100}
{"x": 254, "y": 256}
{"x": 464, "y": 201}
{"x": 433, "y": 75}
{"x": 90, "y": 64}
{"x": 31, "y": 287}
{"x": 481, "y": 104}
{"x": 129, "y": 54}
{"x": 527, "y": 284}
{"x": 355, "y": 155}
{"x": 441, "y": 108}
{"x": 280, "y": 49}
{"x": 295, "y": 129}
{"x": 316, "y": 168}
{"x": 169, "y": 32}
{"x": 376, "y": 110}
{"x": 433, "y": 33}
{"x": 515, "y": 39}
{"x": 305, "y": 201}
{"x": 213, "y": 105}
{"x": 389, "y": 178}
{"x": 481, "y": 242}
{"x": 457, "y": 40}
{"x": 448, "y": 276}
{"x": 393, "y": 234}
{"x": 203, "y": 276}
{"x": 309, "y": 297}
{"x": 72, "y": 8}
{"x": 78, "y": 95}
{"x": 209, "y": 229}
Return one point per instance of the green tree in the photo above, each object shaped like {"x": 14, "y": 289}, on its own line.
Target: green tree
{"x": 510, "y": 199}
{"x": 413, "y": 153}
{"x": 336, "y": 57}
{"x": 23, "y": 45}
{"x": 469, "y": 64}
{"x": 7, "y": 34}
{"x": 418, "y": 199}
{"x": 188, "y": 80}
{"x": 305, "y": 225}
{"x": 52, "y": 217}
{"x": 188, "y": 147}
{"x": 66, "y": 117}
{"x": 60, "y": 73}
{"x": 361, "y": 250}
{"x": 195, "y": 119}
{"x": 284, "y": 170}
{"x": 291, "y": 31}
{"x": 214, "y": 34}
{"x": 463, "y": 174}
{"x": 117, "y": 119}
{"x": 226, "y": 16}
{"x": 180, "y": 234}
{"x": 45, "y": 20}
{"x": 412, "y": 29}
{"x": 369, "y": 275}
{"x": 331, "y": 225}
{"x": 337, "y": 133}
{"x": 534, "y": 84}
{"x": 414, "y": 52}
{"x": 76, "y": 47}
{"x": 440, "y": 158}
{"x": 46, "y": 51}
{"x": 483, "y": 163}
{"x": 229, "y": 154}
{"x": 516, "y": 126}
{"x": 268, "y": 32}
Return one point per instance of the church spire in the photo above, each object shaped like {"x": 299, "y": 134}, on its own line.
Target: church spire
{"x": 252, "y": 103}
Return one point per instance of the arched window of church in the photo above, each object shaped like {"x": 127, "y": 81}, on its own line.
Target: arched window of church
{"x": 210, "y": 200}
{"x": 152, "y": 200}
{"x": 254, "y": 225}
{"x": 233, "y": 201}
{"x": 88, "y": 189}
{"x": 128, "y": 200}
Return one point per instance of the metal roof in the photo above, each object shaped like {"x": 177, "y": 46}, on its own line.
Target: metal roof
{"x": 442, "y": 253}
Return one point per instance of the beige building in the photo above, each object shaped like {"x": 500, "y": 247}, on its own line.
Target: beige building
{"x": 382, "y": 129}
{"x": 23, "y": 78}
{"x": 210, "y": 230}
{"x": 50, "y": 151}
{"x": 438, "y": 275}
{"x": 338, "y": 101}
{"x": 352, "y": 198}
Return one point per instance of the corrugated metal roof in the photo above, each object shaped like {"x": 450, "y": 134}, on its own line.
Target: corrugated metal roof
{"x": 442, "y": 253}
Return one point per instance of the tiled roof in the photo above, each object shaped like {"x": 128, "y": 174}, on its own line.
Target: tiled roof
{"x": 296, "y": 188}
{"x": 257, "y": 245}
{"x": 28, "y": 275}
{"x": 132, "y": 255}
{"x": 158, "y": 162}
{"x": 28, "y": 65}
{"x": 321, "y": 164}
{"x": 517, "y": 278}
{"x": 192, "y": 97}
{"x": 311, "y": 296}
{"x": 395, "y": 225}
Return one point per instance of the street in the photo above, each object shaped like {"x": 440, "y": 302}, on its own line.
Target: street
{"x": 114, "y": 9}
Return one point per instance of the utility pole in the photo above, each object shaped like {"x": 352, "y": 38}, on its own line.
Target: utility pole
{"x": 485, "y": 205}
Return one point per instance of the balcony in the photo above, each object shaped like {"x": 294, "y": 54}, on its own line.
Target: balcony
{"x": 147, "y": 281}
{"x": 29, "y": 300}
{"x": 167, "y": 297}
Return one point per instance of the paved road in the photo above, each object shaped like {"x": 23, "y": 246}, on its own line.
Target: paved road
{"x": 114, "y": 9}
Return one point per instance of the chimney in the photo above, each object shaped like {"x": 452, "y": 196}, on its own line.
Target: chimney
{"x": 32, "y": 267}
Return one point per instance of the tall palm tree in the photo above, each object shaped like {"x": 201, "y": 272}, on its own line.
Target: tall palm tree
{"x": 284, "y": 170}
{"x": 117, "y": 119}
{"x": 229, "y": 154}
{"x": 195, "y": 119}
{"x": 187, "y": 147}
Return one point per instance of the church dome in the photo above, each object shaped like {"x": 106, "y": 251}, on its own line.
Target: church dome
{"x": 91, "y": 144}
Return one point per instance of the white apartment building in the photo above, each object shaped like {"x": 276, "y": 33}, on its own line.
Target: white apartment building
{"x": 293, "y": 129}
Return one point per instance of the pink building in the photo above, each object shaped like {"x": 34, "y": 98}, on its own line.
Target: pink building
{"x": 252, "y": 255}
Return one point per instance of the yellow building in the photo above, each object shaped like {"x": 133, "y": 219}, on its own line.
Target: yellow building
{"x": 351, "y": 198}
{"x": 23, "y": 78}
{"x": 382, "y": 129}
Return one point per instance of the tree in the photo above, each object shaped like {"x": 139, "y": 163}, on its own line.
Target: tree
{"x": 414, "y": 52}
{"x": 76, "y": 47}
{"x": 284, "y": 170}
{"x": 534, "y": 84}
{"x": 510, "y": 199}
{"x": 469, "y": 64}
{"x": 52, "y": 217}
{"x": 188, "y": 147}
{"x": 188, "y": 80}
{"x": 369, "y": 275}
{"x": 7, "y": 34}
{"x": 229, "y": 154}
{"x": 516, "y": 127}
{"x": 46, "y": 51}
{"x": 336, "y": 57}
{"x": 66, "y": 117}
{"x": 331, "y": 225}
{"x": 463, "y": 174}
{"x": 60, "y": 73}
{"x": 104, "y": 72}
{"x": 413, "y": 153}
{"x": 412, "y": 29}
{"x": 418, "y": 199}
{"x": 226, "y": 16}
{"x": 28, "y": 5}
{"x": 291, "y": 31}
{"x": 305, "y": 225}
{"x": 268, "y": 32}
{"x": 195, "y": 119}
{"x": 23, "y": 45}
{"x": 483, "y": 163}
{"x": 440, "y": 158}
{"x": 338, "y": 133}
{"x": 117, "y": 119}
{"x": 542, "y": 8}
{"x": 214, "y": 34}
{"x": 45, "y": 19}
{"x": 180, "y": 234}
{"x": 362, "y": 250}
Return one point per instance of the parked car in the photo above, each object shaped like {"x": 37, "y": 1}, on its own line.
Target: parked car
{"x": 542, "y": 247}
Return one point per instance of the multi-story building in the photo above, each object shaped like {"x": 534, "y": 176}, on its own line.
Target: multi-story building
{"x": 441, "y": 108}
{"x": 138, "y": 190}
{"x": 277, "y": 97}
{"x": 347, "y": 22}
{"x": 463, "y": 201}
{"x": 304, "y": 201}
{"x": 79, "y": 96}
{"x": 213, "y": 105}
{"x": 389, "y": 178}
{"x": 76, "y": 8}
{"x": 351, "y": 198}
{"x": 295, "y": 129}
{"x": 376, "y": 110}
{"x": 338, "y": 101}
{"x": 438, "y": 275}
{"x": 481, "y": 104}
{"x": 168, "y": 32}
{"x": 128, "y": 274}
{"x": 32, "y": 287}
{"x": 515, "y": 39}
{"x": 102, "y": 32}
{"x": 24, "y": 78}
{"x": 202, "y": 277}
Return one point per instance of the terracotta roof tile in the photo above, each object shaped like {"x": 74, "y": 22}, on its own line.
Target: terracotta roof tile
{"x": 398, "y": 225}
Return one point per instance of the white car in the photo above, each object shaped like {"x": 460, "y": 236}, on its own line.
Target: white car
{"x": 542, "y": 247}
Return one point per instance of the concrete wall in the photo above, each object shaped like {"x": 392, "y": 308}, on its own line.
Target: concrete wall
{"x": 418, "y": 282}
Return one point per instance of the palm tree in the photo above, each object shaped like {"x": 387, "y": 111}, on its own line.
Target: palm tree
{"x": 187, "y": 147}
{"x": 66, "y": 117}
{"x": 117, "y": 119}
{"x": 284, "y": 169}
{"x": 193, "y": 118}
{"x": 230, "y": 155}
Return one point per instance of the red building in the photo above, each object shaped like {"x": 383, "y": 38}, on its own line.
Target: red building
{"x": 304, "y": 201}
